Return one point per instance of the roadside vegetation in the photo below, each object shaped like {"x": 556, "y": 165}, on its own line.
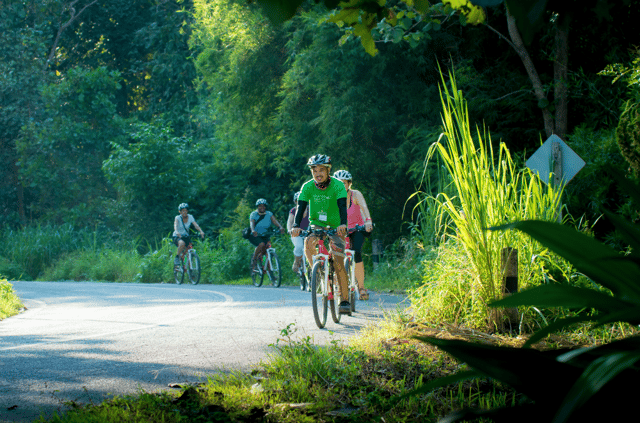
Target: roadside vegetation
{"x": 10, "y": 304}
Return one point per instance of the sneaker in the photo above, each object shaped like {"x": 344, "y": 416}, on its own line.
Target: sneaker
{"x": 344, "y": 308}
{"x": 364, "y": 295}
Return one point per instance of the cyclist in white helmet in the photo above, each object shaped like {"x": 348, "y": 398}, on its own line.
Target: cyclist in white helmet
{"x": 181, "y": 225}
{"x": 357, "y": 214}
{"x": 259, "y": 221}
{"x": 298, "y": 242}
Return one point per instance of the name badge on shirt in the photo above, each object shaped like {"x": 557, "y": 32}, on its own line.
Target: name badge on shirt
{"x": 322, "y": 217}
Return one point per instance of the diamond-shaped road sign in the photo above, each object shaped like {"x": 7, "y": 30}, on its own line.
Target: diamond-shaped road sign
{"x": 541, "y": 161}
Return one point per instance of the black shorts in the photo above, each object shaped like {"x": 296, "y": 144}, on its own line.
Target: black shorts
{"x": 186, "y": 240}
{"x": 257, "y": 240}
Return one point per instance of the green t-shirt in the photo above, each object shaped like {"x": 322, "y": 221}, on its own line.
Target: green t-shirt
{"x": 323, "y": 204}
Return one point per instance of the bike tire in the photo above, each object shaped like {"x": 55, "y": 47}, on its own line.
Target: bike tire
{"x": 194, "y": 268}
{"x": 334, "y": 295}
{"x": 317, "y": 278}
{"x": 178, "y": 274}
{"x": 352, "y": 284}
{"x": 302, "y": 279}
{"x": 275, "y": 273}
{"x": 257, "y": 276}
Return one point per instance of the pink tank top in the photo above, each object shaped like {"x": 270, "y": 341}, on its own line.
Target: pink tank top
{"x": 354, "y": 216}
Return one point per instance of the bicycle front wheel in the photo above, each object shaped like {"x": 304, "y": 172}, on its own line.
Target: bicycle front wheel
{"x": 352, "y": 283}
{"x": 178, "y": 273}
{"x": 257, "y": 276}
{"x": 318, "y": 300}
{"x": 274, "y": 272}
{"x": 194, "y": 268}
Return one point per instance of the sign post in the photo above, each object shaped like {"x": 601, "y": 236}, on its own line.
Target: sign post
{"x": 556, "y": 164}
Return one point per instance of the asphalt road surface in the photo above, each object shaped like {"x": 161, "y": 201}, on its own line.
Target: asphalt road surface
{"x": 86, "y": 341}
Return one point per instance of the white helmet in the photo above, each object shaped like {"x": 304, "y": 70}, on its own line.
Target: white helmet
{"x": 343, "y": 175}
{"x": 261, "y": 201}
{"x": 183, "y": 206}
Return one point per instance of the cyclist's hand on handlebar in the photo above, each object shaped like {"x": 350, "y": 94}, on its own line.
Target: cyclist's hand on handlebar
{"x": 342, "y": 230}
{"x": 201, "y": 235}
{"x": 368, "y": 226}
{"x": 295, "y": 231}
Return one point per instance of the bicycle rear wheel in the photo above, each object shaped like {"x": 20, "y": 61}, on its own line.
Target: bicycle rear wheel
{"x": 274, "y": 272}
{"x": 178, "y": 273}
{"x": 334, "y": 295}
{"x": 302, "y": 274}
{"x": 194, "y": 267}
{"x": 257, "y": 275}
{"x": 352, "y": 283}
{"x": 318, "y": 301}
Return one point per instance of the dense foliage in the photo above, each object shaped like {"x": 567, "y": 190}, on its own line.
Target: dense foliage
{"x": 114, "y": 112}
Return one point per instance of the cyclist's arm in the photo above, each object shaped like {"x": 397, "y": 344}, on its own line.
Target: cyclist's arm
{"x": 342, "y": 207}
{"x": 302, "y": 206}
{"x": 175, "y": 227}
{"x": 364, "y": 210}
{"x": 252, "y": 225}
{"x": 198, "y": 228}
{"x": 292, "y": 217}
{"x": 275, "y": 222}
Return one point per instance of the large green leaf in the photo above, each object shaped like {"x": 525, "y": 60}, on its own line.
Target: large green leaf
{"x": 600, "y": 372}
{"x": 520, "y": 368}
{"x": 556, "y": 295}
{"x": 597, "y": 261}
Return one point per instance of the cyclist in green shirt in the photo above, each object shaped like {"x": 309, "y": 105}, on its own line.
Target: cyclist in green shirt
{"x": 326, "y": 198}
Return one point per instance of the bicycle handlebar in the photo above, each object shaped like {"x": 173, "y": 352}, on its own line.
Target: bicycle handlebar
{"x": 359, "y": 228}
{"x": 321, "y": 232}
{"x": 270, "y": 231}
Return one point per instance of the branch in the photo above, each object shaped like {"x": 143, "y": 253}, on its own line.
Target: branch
{"x": 64, "y": 26}
{"x": 531, "y": 71}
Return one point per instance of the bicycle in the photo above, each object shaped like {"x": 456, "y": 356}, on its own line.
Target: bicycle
{"x": 269, "y": 264}
{"x": 350, "y": 268}
{"x": 190, "y": 265}
{"x": 324, "y": 283}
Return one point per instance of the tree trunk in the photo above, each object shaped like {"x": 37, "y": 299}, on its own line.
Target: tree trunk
{"x": 560, "y": 74}
{"x": 543, "y": 102}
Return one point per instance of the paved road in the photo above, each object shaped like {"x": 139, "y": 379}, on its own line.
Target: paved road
{"x": 83, "y": 342}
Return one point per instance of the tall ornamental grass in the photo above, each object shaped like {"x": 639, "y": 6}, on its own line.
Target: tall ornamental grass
{"x": 486, "y": 190}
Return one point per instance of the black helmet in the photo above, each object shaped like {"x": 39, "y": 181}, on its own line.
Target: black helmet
{"x": 319, "y": 160}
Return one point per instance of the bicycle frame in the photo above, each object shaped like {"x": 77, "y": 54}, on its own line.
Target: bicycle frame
{"x": 323, "y": 256}
{"x": 268, "y": 262}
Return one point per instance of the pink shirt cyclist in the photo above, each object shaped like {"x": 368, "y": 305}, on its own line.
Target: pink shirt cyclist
{"x": 357, "y": 214}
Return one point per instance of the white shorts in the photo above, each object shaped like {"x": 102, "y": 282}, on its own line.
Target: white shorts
{"x": 298, "y": 245}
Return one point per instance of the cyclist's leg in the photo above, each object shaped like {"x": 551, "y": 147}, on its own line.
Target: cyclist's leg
{"x": 337, "y": 250}
{"x": 357, "y": 239}
{"x": 181, "y": 245}
{"x": 310, "y": 244}
{"x": 257, "y": 242}
{"x": 298, "y": 249}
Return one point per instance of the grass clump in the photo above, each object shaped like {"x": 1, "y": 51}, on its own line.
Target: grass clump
{"x": 10, "y": 303}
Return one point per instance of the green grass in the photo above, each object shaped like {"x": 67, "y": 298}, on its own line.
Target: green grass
{"x": 10, "y": 304}
{"x": 302, "y": 382}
